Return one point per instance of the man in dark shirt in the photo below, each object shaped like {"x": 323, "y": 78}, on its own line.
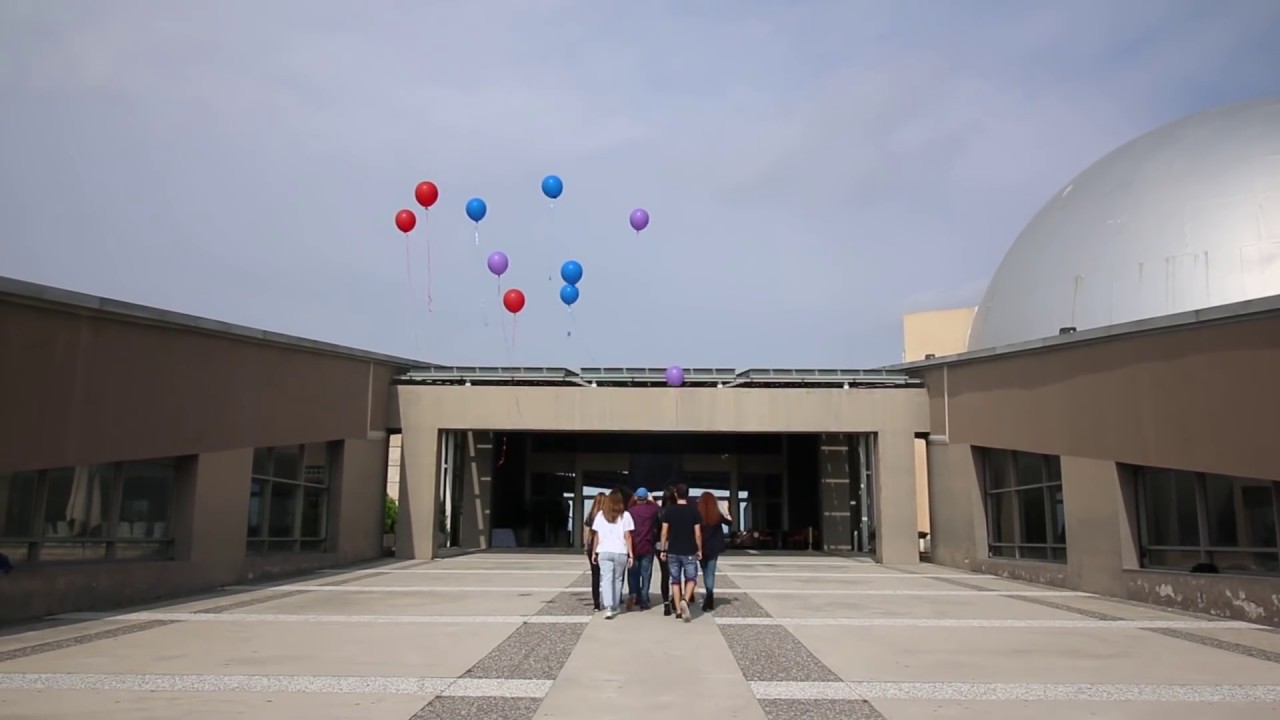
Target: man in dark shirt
{"x": 682, "y": 538}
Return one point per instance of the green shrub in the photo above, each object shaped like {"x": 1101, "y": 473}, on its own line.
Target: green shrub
{"x": 389, "y": 519}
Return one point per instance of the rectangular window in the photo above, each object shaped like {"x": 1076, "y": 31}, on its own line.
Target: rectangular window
{"x": 1026, "y": 518}
{"x": 289, "y": 498}
{"x": 1208, "y": 522}
{"x": 113, "y": 511}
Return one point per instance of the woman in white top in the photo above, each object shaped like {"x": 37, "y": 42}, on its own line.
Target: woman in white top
{"x": 612, "y": 531}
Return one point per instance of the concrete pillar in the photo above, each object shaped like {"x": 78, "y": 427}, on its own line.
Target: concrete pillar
{"x": 1096, "y": 526}
{"x": 833, "y": 474}
{"x": 476, "y": 489}
{"x": 357, "y": 498}
{"x": 897, "y": 538}
{"x": 420, "y": 470}
{"x": 958, "y": 518}
{"x": 211, "y": 515}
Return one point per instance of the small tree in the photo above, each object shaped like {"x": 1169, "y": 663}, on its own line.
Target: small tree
{"x": 389, "y": 519}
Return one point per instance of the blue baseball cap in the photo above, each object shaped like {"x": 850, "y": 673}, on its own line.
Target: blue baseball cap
{"x": 642, "y": 493}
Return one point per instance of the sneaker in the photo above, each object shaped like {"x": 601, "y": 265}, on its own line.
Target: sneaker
{"x": 610, "y": 615}
{"x": 685, "y": 613}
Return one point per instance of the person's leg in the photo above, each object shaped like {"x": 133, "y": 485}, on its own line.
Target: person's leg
{"x": 644, "y": 571}
{"x": 664, "y": 584}
{"x": 633, "y": 585}
{"x": 607, "y": 570}
{"x": 709, "y": 583}
{"x": 619, "y": 572}
{"x": 595, "y": 586}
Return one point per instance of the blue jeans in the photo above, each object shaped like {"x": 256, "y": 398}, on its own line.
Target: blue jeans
{"x": 639, "y": 578}
{"x": 709, "y": 572}
{"x": 684, "y": 568}
{"x": 613, "y": 566}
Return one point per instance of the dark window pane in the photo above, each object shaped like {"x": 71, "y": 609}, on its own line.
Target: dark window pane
{"x": 1054, "y": 465}
{"x": 1058, "y": 554}
{"x": 286, "y": 463}
{"x": 1029, "y": 469}
{"x": 257, "y": 502}
{"x": 311, "y": 546}
{"x": 1003, "y": 551}
{"x": 146, "y": 499}
{"x": 284, "y": 509}
{"x": 1241, "y": 513}
{"x": 1058, "y": 515}
{"x": 1033, "y": 553}
{"x": 999, "y": 468}
{"x": 1246, "y": 562}
{"x": 313, "y": 512}
{"x": 262, "y": 462}
{"x": 18, "y": 506}
{"x": 1172, "y": 559}
{"x": 1001, "y": 508}
{"x": 143, "y": 551}
{"x": 1169, "y": 499}
{"x": 1031, "y": 511}
{"x": 76, "y": 502}
{"x": 315, "y": 464}
{"x": 72, "y": 551}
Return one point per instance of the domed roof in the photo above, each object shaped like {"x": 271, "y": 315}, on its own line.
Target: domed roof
{"x": 1184, "y": 217}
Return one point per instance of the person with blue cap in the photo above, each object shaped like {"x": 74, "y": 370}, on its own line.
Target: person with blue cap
{"x": 644, "y": 513}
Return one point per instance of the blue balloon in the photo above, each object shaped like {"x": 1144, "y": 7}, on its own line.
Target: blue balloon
{"x": 476, "y": 209}
{"x": 571, "y": 271}
{"x": 552, "y": 186}
{"x": 568, "y": 294}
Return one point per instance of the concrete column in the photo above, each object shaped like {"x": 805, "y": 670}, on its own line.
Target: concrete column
{"x": 897, "y": 538}
{"x": 358, "y": 500}
{"x": 211, "y": 515}
{"x": 1096, "y": 526}
{"x": 833, "y": 476}
{"x": 476, "y": 489}
{"x": 958, "y": 517}
{"x": 420, "y": 471}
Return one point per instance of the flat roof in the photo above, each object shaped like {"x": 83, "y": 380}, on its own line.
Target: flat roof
{"x": 31, "y": 293}
{"x": 1231, "y": 312}
{"x": 656, "y": 377}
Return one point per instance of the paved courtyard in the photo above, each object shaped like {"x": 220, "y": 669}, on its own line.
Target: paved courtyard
{"x": 510, "y": 636}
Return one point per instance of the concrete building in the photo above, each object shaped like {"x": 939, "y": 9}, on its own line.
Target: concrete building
{"x": 145, "y": 454}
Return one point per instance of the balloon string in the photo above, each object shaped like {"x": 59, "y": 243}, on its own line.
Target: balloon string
{"x": 408, "y": 274}
{"x": 426, "y": 214}
{"x": 573, "y": 323}
{"x": 478, "y": 234}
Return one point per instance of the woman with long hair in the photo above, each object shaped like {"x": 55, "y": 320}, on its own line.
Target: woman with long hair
{"x": 611, "y": 529}
{"x": 588, "y": 544}
{"x": 713, "y": 544}
{"x": 664, "y": 570}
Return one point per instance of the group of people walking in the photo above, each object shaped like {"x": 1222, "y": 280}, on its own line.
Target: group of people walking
{"x": 622, "y": 536}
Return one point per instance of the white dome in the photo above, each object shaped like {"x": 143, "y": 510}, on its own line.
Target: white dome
{"x": 1182, "y": 218}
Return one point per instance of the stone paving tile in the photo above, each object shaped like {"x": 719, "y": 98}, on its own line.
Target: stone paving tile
{"x": 532, "y": 652}
{"x": 479, "y": 708}
{"x": 1211, "y": 642}
{"x": 770, "y": 653}
{"x": 54, "y": 645}
{"x": 816, "y": 709}
{"x": 739, "y": 606}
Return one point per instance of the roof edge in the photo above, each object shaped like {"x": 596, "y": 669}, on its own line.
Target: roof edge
{"x": 31, "y": 293}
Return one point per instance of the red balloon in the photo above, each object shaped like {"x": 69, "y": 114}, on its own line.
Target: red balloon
{"x": 426, "y": 193}
{"x": 513, "y": 301}
{"x": 406, "y": 220}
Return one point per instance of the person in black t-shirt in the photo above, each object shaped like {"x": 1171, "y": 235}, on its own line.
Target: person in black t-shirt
{"x": 682, "y": 540}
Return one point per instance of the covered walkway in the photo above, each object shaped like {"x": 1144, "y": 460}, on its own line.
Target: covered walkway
{"x": 501, "y": 637}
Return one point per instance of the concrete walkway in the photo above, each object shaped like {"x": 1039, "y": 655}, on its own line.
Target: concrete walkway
{"x": 512, "y": 636}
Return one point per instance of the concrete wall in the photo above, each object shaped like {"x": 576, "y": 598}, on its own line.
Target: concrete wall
{"x": 424, "y": 411}
{"x": 83, "y": 387}
{"x": 1197, "y": 398}
{"x": 938, "y": 333}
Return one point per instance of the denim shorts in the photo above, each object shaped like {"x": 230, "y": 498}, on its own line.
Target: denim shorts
{"x": 683, "y": 567}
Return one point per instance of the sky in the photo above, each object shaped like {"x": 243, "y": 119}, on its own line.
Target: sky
{"x": 814, "y": 169}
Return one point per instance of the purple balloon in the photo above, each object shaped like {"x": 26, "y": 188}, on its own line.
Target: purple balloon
{"x": 639, "y": 219}
{"x": 498, "y": 263}
{"x": 675, "y": 375}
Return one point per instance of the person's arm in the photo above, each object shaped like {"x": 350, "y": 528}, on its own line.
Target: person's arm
{"x": 697, "y": 535}
{"x": 631, "y": 555}
{"x": 665, "y": 528}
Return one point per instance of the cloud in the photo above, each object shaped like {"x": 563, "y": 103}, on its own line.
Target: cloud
{"x": 813, "y": 169}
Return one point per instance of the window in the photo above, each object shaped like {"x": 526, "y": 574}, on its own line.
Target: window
{"x": 1191, "y": 519}
{"x": 1026, "y": 518}
{"x": 99, "y": 512}
{"x": 289, "y": 498}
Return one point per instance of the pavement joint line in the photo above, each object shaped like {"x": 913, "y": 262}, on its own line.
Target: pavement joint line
{"x": 1065, "y": 691}
{"x": 1249, "y": 651}
{"x": 1117, "y": 623}
{"x": 392, "y": 685}
{"x": 765, "y": 591}
{"x": 300, "y": 618}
